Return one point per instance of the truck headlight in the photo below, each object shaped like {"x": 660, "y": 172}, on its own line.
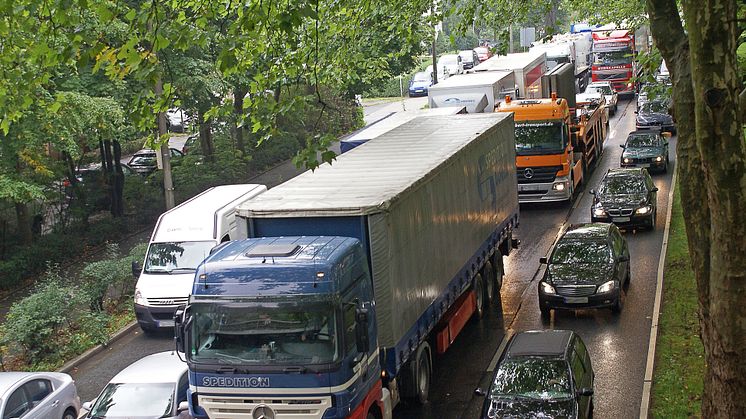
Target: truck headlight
{"x": 659, "y": 158}
{"x": 559, "y": 186}
{"x": 599, "y": 211}
{"x": 139, "y": 299}
{"x": 547, "y": 289}
{"x": 643, "y": 210}
{"x": 606, "y": 287}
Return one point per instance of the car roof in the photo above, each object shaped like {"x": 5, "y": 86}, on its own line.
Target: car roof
{"x": 549, "y": 343}
{"x": 162, "y": 367}
{"x": 587, "y": 231}
{"x": 9, "y": 379}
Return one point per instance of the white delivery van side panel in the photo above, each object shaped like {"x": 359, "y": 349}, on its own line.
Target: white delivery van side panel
{"x": 421, "y": 242}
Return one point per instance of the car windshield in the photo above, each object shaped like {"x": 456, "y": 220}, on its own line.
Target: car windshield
{"x": 532, "y": 378}
{"x": 621, "y": 185}
{"x": 639, "y": 141}
{"x": 653, "y": 106}
{"x": 143, "y": 160}
{"x": 604, "y": 90}
{"x": 421, "y": 77}
{"x": 466, "y": 56}
{"x": 135, "y": 401}
{"x": 176, "y": 256}
{"x": 581, "y": 251}
{"x": 539, "y": 137}
{"x": 613, "y": 57}
{"x": 288, "y": 331}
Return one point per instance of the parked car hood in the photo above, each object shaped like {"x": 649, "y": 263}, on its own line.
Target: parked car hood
{"x": 519, "y": 409}
{"x": 642, "y": 152}
{"x": 654, "y": 118}
{"x": 579, "y": 273}
{"x": 617, "y": 201}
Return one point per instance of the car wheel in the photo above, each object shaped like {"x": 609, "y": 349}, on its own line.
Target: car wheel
{"x": 619, "y": 303}
{"x": 546, "y": 312}
{"x": 590, "y": 409}
{"x": 651, "y": 222}
{"x": 479, "y": 297}
{"x": 69, "y": 414}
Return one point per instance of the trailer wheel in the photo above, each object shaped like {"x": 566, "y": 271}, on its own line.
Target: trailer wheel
{"x": 423, "y": 373}
{"x": 479, "y": 296}
{"x": 488, "y": 273}
{"x": 497, "y": 262}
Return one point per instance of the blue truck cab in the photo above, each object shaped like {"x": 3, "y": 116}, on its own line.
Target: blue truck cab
{"x": 292, "y": 319}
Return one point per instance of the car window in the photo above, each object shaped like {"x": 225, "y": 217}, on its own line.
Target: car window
{"x": 583, "y": 352}
{"x": 17, "y": 405}
{"x": 578, "y": 369}
{"x": 37, "y": 391}
{"x": 143, "y": 160}
{"x": 581, "y": 251}
{"x": 534, "y": 378}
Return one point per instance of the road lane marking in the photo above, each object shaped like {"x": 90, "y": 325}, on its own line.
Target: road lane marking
{"x": 648, "y": 382}
{"x": 500, "y": 350}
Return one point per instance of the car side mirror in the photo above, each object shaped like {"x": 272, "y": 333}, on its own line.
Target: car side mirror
{"x": 183, "y": 406}
{"x": 88, "y": 405}
{"x": 362, "y": 342}
{"x": 654, "y": 189}
{"x": 480, "y": 392}
{"x": 637, "y": 112}
{"x": 623, "y": 258}
{"x": 592, "y": 192}
{"x": 585, "y": 391}
{"x": 621, "y": 145}
{"x": 136, "y": 269}
{"x": 543, "y": 260}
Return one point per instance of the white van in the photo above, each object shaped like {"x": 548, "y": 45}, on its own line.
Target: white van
{"x": 182, "y": 238}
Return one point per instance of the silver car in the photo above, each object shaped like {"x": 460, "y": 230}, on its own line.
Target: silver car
{"x": 153, "y": 387}
{"x": 605, "y": 88}
{"x": 38, "y": 395}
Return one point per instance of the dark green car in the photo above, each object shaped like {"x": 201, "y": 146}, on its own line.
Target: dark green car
{"x": 645, "y": 148}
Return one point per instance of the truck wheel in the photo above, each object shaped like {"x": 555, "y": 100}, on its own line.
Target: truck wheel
{"x": 497, "y": 263}
{"x": 479, "y": 296}
{"x": 423, "y": 373}
{"x": 488, "y": 273}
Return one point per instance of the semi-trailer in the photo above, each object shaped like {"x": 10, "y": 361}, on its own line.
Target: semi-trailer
{"x": 527, "y": 67}
{"x": 354, "y": 276}
{"x": 478, "y": 92}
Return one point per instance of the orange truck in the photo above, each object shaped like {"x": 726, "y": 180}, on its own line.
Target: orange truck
{"x": 555, "y": 146}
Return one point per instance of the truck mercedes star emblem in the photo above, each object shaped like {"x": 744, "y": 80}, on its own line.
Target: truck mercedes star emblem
{"x": 528, "y": 173}
{"x": 263, "y": 412}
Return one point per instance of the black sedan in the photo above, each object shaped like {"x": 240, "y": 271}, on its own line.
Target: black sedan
{"x": 145, "y": 162}
{"x": 654, "y": 114}
{"x": 645, "y": 148}
{"x": 542, "y": 374}
{"x": 588, "y": 267}
{"x": 626, "y": 197}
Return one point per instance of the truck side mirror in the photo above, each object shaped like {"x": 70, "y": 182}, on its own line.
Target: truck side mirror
{"x": 361, "y": 330}
{"x": 182, "y": 321}
{"x": 136, "y": 268}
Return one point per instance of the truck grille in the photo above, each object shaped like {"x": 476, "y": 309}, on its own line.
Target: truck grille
{"x": 620, "y": 212}
{"x": 545, "y": 174}
{"x": 174, "y": 301}
{"x": 233, "y": 407}
{"x": 576, "y": 290}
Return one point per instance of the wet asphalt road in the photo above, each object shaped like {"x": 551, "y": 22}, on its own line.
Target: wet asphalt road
{"x": 617, "y": 344}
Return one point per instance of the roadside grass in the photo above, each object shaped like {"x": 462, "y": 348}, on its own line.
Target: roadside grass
{"x": 679, "y": 357}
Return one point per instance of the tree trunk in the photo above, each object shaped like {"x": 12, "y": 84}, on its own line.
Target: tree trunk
{"x": 117, "y": 185}
{"x": 713, "y": 38}
{"x": 238, "y": 113}
{"x": 205, "y": 137}
{"x": 24, "y": 223}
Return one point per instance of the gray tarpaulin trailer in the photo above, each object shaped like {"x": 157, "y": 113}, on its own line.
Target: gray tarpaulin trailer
{"x": 528, "y": 68}
{"x": 479, "y": 92}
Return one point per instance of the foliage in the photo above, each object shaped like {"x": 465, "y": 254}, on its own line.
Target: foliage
{"x": 678, "y": 385}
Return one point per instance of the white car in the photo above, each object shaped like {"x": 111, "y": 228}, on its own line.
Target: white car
{"x": 153, "y": 387}
{"x": 604, "y": 88}
{"x": 450, "y": 64}
{"x": 38, "y": 395}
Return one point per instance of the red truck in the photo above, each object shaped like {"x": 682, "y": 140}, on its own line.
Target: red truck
{"x": 614, "y": 59}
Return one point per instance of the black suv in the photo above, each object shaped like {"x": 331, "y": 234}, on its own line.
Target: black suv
{"x": 626, "y": 197}
{"x": 542, "y": 374}
{"x": 647, "y": 149}
{"x": 588, "y": 267}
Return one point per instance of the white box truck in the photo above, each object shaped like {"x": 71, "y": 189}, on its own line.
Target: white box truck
{"x": 478, "y": 92}
{"x": 528, "y": 67}
{"x": 181, "y": 239}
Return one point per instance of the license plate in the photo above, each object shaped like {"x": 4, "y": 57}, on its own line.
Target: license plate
{"x": 619, "y": 219}
{"x": 576, "y": 300}
{"x": 165, "y": 323}
{"x": 527, "y": 188}
{"x": 646, "y": 165}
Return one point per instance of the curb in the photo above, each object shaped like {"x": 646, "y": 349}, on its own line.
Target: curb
{"x": 85, "y": 356}
{"x": 647, "y": 385}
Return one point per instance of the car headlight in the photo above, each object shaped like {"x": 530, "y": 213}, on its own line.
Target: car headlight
{"x": 599, "y": 211}
{"x": 139, "y": 299}
{"x": 606, "y": 287}
{"x": 626, "y": 160}
{"x": 547, "y": 289}
{"x": 559, "y": 186}
{"x": 643, "y": 210}
{"x": 659, "y": 158}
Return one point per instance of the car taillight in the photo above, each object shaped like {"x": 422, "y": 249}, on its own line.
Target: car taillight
{"x": 66, "y": 183}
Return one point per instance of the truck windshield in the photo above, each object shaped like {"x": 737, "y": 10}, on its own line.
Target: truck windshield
{"x": 537, "y": 137}
{"x": 613, "y": 57}
{"x": 286, "y": 332}
{"x": 170, "y": 257}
